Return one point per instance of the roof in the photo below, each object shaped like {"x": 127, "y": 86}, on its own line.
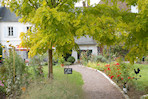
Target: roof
{"x": 7, "y": 16}
{"x": 85, "y": 41}
{"x": 1, "y": 13}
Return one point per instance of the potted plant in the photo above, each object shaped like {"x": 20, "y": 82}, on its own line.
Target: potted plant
{"x": 61, "y": 61}
{"x": 78, "y": 61}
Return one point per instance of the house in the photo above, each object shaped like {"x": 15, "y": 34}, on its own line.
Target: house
{"x": 10, "y": 30}
{"x": 85, "y": 44}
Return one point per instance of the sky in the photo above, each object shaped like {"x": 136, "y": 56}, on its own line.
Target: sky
{"x": 92, "y": 2}
{"x": 134, "y": 9}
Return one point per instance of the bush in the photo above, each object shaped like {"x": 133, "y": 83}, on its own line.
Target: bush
{"x": 120, "y": 72}
{"x": 61, "y": 60}
{"x": 71, "y": 59}
{"x": 45, "y": 63}
{"x": 85, "y": 57}
{"x": 14, "y": 80}
{"x": 104, "y": 60}
{"x": 100, "y": 58}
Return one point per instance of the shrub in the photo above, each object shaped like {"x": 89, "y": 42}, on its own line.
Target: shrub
{"x": 45, "y": 63}
{"x": 61, "y": 60}
{"x": 93, "y": 58}
{"x": 104, "y": 60}
{"x": 14, "y": 80}
{"x": 120, "y": 72}
{"x": 71, "y": 59}
{"x": 100, "y": 58}
{"x": 85, "y": 57}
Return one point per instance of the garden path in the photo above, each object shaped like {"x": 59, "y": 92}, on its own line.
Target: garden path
{"x": 96, "y": 86}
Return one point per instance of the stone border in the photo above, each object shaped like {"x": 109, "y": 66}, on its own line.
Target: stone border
{"x": 113, "y": 83}
{"x": 144, "y": 96}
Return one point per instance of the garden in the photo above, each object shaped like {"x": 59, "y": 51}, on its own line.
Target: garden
{"x": 55, "y": 26}
{"x": 31, "y": 82}
{"x": 131, "y": 78}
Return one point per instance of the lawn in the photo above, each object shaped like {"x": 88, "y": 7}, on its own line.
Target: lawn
{"x": 142, "y": 82}
{"x": 62, "y": 87}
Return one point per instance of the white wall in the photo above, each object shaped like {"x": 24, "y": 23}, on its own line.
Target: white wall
{"x": 17, "y": 28}
{"x": 14, "y": 40}
{"x": 85, "y": 47}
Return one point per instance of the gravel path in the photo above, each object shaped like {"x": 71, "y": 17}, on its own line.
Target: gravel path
{"x": 96, "y": 86}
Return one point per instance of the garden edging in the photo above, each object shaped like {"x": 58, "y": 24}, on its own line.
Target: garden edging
{"x": 144, "y": 96}
{"x": 113, "y": 83}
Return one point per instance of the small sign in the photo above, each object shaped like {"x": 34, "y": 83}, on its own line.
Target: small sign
{"x": 0, "y": 55}
{"x": 67, "y": 70}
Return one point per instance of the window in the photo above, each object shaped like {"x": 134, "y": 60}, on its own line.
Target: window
{"x": 27, "y": 28}
{"x": 10, "y": 31}
{"x": 27, "y": 54}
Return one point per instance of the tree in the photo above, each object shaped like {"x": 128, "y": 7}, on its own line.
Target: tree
{"x": 137, "y": 40}
{"x": 53, "y": 24}
{"x": 111, "y": 26}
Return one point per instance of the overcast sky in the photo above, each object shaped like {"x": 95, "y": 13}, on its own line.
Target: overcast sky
{"x": 92, "y": 2}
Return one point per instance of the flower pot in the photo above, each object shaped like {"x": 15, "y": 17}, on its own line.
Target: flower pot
{"x": 62, "y": 65}
{"x": 78, "y": 61}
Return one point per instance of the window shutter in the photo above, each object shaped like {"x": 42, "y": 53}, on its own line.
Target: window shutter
{"x": 5, "y": 32}
{"x": 15, "y": 32}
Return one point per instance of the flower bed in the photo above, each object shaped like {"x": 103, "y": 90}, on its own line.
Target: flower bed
{"x": 124, "y": 75}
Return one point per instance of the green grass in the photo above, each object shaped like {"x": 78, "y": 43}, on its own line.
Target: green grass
{"x": 62, "y": 87}
{"x": 142, "y": 83}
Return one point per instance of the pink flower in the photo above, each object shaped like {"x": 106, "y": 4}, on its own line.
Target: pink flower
{"x": 2, "y": 85}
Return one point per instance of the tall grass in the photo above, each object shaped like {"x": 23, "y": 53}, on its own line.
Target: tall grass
{"x": 62, "y": 87}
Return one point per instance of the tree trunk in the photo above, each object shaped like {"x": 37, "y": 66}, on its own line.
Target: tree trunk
{"x": 50, "y": 68}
